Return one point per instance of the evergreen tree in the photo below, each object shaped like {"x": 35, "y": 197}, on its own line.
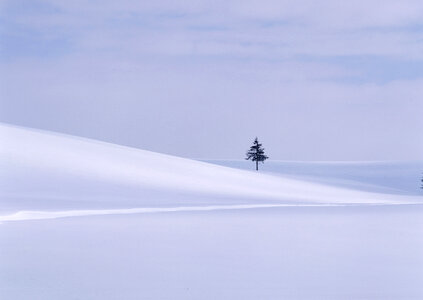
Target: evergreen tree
{"x": 256, "y": 153}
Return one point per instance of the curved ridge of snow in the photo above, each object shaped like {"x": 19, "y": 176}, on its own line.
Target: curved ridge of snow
{"x": 44, "y": 215}
{"x": 40, "y": 165}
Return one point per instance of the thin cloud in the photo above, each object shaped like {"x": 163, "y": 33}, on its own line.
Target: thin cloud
{"x": 309, "y": 72}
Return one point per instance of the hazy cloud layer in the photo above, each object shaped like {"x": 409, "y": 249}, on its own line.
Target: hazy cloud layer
{"x": 313, "y": 79}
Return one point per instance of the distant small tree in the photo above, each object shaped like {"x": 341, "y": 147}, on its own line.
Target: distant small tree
{"x": 422, "y": 183}
{"x": 256, "y": 153}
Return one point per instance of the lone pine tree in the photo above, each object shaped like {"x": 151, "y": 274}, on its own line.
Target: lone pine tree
{"x": 256, "y": 153}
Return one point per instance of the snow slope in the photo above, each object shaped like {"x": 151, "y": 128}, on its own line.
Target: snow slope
{"x": 49, "y": 171}
{"x": 388, "y": 177}
{"x": 322, "y": 253}
{"x": 162, "y": 227}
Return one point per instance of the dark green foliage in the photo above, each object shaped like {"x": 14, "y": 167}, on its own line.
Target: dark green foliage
{"x": 256, "y": 153}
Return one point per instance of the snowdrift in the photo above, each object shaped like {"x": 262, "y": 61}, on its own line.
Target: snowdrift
{"x": 45, "y": 170}
{"x": 387, "y": 177}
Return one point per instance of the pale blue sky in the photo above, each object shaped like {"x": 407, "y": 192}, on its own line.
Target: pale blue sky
{"x": 314, "y": 80}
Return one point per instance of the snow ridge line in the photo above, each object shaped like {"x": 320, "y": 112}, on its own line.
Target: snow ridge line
{"x": 42, "y": 215}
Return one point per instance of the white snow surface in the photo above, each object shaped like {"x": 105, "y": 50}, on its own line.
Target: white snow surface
{"x": 49, "y": 171}
{"x": 82, "y": 219}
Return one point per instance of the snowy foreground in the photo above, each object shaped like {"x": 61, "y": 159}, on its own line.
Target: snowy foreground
{"x": 81, "y": 219}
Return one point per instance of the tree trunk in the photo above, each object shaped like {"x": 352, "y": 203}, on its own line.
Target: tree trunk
{"x": 256, "y": 165}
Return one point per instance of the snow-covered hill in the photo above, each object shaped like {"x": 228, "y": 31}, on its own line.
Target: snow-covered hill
{"x": 49, "y": 171}
{"x": 290, "y": 231}
{"x": 388, "y": 177}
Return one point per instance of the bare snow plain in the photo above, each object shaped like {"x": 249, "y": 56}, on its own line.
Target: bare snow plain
{"x": 82, "y": 219}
